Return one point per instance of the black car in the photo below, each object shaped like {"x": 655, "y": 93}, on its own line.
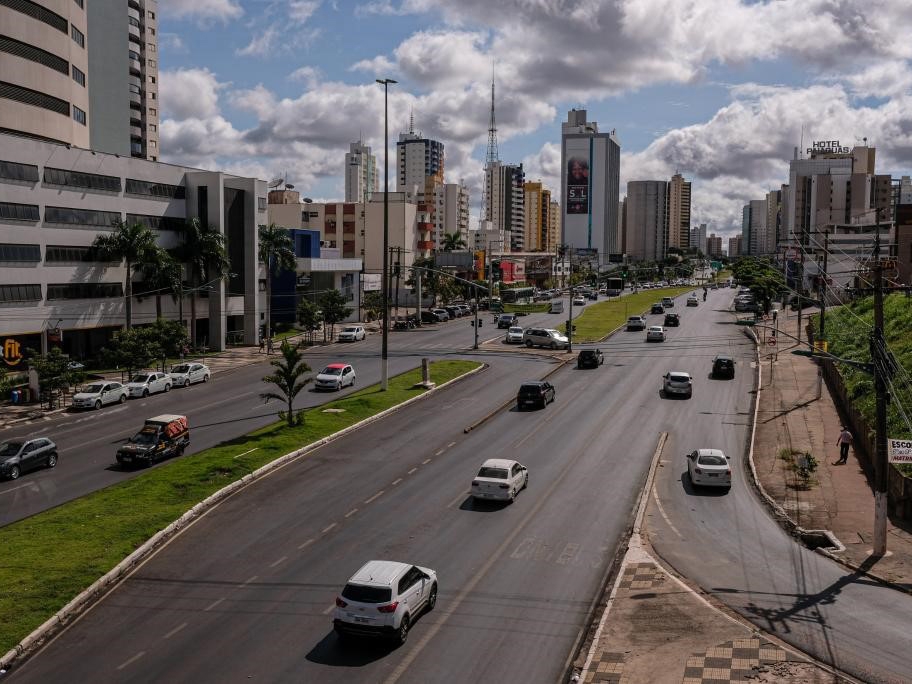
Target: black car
{"x": 723, "y": 367}
{"x": 17, "y": 456}
{"x": 430, "y": 317}
{"x": 534, "y": 393}
{"x": 657, "y": 309}
{"x": 590, "y": 358}
{"x": 672, "y": 319}
{"x": 506, "y": 320}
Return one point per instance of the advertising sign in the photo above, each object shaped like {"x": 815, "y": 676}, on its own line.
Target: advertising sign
{"x": 12, "y": 351}
{"x": 899, "y": 450}
{"x": 479, "y": 264}
{"x": 578, "y": 180}
{"x": 372, "y": 282}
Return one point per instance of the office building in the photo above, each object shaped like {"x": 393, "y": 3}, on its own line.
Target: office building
{"x": 503, "y": 222}
{"x": 361, "y": 179}
{"x": 698, "y": 238}
{"x": 419, "y": 160}
{"x": 554, "y": 227}
{"x": 734, "y": 247}
{"x": 678, "y": 212}
{"x": 537, "y": 216}
{"x": 754, "y": 230}
{"x": 714, "y": 246}
{"x": 646, "y": 219}
{"x": 590, "y": 179}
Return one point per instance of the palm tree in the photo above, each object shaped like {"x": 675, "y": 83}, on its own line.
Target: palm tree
{"x": 130, "y": 243}
{"x": 453, "y": 242}
{"x": 287, "y": 378}
{"x": 162, "y": 273}
{"x": 276, "y": 250}
{"x": 203, "y": 252}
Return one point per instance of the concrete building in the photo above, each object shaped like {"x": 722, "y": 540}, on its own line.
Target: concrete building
{"x": 754, "y": 228}
{"x": 590, "y": 180}
{"x": 678, "y": 212}
{"x": 554, "y": 227}
{"x": 55, "y": 199}
{"x": 734, "y": 247}
{"x": 537, "y": 211}
{"x": 646, "y": 220}
{"x": 698, "y": 238}
{"x": 452, "y": 212}
{"x": 714, "y": 245}
{"x": 418, "y": 159}
{"x": 361, "y": 179}
{"x": 504, "y": 208}
{"x": 773, "y": 220}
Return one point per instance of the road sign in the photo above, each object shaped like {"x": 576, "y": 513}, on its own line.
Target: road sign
{"x": 821, "y": 345}
{"x": 899, "y": 450}
{"x": 771, "y": 341}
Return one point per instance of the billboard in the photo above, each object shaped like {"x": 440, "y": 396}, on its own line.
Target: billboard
{"x": 899, "y": 450}
{"x": 578, "y": 182}
{"x": 372, "y": 282}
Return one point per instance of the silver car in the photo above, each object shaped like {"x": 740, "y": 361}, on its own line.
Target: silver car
{"x": 678, "y": 383}
{"x": 144, "y": 384}
{"x": 100, "y": 394}
{"x": 709, "y": 467}
{"x": 655, "y": 333}
{"x": 186, "y": 374}
{"x": 514, "y": 335}
{"x": 20, "y": 455}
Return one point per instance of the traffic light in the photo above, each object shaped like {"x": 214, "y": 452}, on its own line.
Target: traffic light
{"x": 480, "y": 323}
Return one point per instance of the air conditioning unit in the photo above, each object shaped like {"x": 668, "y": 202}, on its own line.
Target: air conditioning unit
{"x": 324, "y": 243}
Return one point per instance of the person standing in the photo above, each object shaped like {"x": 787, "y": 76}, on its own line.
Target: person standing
{"x": 844, "y": 441}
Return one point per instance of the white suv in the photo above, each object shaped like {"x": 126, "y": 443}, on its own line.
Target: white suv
{"x": 384, "y": 598}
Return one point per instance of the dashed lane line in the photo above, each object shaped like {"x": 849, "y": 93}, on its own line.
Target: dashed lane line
{"x": 351, "y": 513}
{"x": 426, "y": 461}
{"x": 328, "y": 528}
{"x": 306, "y": 544}
{"x": 374, "y": 497}
{"x": 397, "y": 481}
{"x": 279, "y": 562}
{"x": 175, "y": 630}
{"x": 214, "y": 604}
{"x": 132, "y": 660}
{"x": 329, "y": 610}
{"x": 412, "y": 470}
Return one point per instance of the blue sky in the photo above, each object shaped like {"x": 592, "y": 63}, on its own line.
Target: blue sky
{"x": 718, "y": 90}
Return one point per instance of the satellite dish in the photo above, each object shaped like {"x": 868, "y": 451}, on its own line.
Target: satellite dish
{"x": 307, "y": 200}
{"x": 276, "y": 182}
{"x": 289, "y": 186}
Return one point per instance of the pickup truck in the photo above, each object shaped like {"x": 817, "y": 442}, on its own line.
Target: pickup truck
{"x": 160, "y": 437}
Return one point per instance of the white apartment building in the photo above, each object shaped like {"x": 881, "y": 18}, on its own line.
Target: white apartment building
{"x": 452, "y": 213}
{"x": 646, "y": 219}
{"x": 360, "y": 173}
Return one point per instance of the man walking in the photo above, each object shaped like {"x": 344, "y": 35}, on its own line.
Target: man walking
{"x": 844, "y": 441}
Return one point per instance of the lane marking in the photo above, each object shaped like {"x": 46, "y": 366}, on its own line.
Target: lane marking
{"x": 395, "y": 482}
{"x": 458, "y": 499}
{"x": 328, "y": 528}
{"x": 306, "y": 544}
{"x": 131, "y": 660}
{"x": 249, "y": 451}
{"x": 22, "y": 486}
{"x": 411, "y": 471}
{"x": 451, "y": 444}
{"x": 249, "y": 579}
{"x": 351, "y": 513}
{"x": 426, "y": 461}
{"x": 279, "y": 562}
{"x": 213, "y": 604}
{"x": 655, "y": 495}
{"x": 374, "y": 497}
{"x": 330, "y": 609}
{"x": 175, "y": 630}
{"x": 439, "y": 451}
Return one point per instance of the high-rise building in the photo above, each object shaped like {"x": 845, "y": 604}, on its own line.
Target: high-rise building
{"x": 44, "y": 66}
{"x": 714, "y": 245}
{"x": 418, "y": 160}
{"x": 678, "y": 212}
{"x": 537, "y": 217}
{"x": 646, "y": 220}
{"x": 590, "y": 179}
{"x": 773, "y": 220}
{"x": 504, "y": 207}
{"x": 554, "y": 227}
{"x": 361, "y": 179}
{"x": 734, "y": 246}
{"x": 698, "y": 238}
{"x": 452, "y": 214}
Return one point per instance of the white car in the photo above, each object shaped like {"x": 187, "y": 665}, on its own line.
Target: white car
{"x": 693, "y": 301}
{"x": 655, "y": 333}
{"x": 352, "y": 333}
{"x": 678, "y": 382}
{"x": 186, "y": 374}
{"x": 100, "y": 394}
{"x": 636, "y": 323}
{"x": 514, "y": 335}
{"x": 335, "y": 376}
{"x": 500, "y": 479}
{"x": 579, "y": 301}
{"x": 709, "y": 467}
{"x": 384, "y": 598}
{"x": 144, "y": 384}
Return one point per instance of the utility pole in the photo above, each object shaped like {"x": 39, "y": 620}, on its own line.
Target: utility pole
{"x": 880, "y": 361}
{"x": 418, "y": 272}
{"x": 823, "y": 285}
{"x": 384, "y": 346}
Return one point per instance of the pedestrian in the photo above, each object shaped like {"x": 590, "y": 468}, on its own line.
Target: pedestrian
{"x": 844, "y": 441}
{"x": 262, "y": 344}
{"x": 269, "y": 345}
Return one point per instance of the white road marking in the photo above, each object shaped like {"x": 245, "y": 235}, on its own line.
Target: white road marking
{"x": 451, "y": 444}
{"x": 249, "y": 579}
{"x": 458, "y": 499}
{"x": 175, "y": 630}
{"x": 440, "y": 451}
{"x": 328, "y": 528}
{"x": 131, "y": 660}
{"x": 395, "y": 482}
{"x": 279, "y": 562}
{"x": 655, "y": 495}
{"x": 306, "y": 544}
{"x": 411, "y": 471}
{"x": 247, "y": 452}
{"x": 330, "y": 609}
{"x": 426, "y": 461}
{"x": 213, "y": 604}
{"x": 374, "y": 497}
{"x": 22, "y": 486}
{"x": 351, "y": 512}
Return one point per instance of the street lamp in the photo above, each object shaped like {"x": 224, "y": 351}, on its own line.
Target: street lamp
{"x": 384, "y": 347}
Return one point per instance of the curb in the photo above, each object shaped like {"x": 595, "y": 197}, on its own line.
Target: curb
{"x": 97, "y": 589}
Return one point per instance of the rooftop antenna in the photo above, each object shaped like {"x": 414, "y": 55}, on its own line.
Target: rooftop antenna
{"x": 411, "y": 121}
{"x": 801, "y": 144}
{"x": 492, "y": 155}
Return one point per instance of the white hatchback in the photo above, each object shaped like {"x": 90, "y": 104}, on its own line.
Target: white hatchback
{"x": 709, "y": 467}
{"x": 100, "y": 394}
{"x": 144, "y": 384}
{"x": 334, "y": 377}
{"x": 352, "y": 333}
{"x": 500, "y": 479}
{"x": 514, "y": 335}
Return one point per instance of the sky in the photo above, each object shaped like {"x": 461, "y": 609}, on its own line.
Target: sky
{"x": 721, "y": 91}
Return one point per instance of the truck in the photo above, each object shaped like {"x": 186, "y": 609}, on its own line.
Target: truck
{"x": 614, "y": 287}
{"x": 161, "y": 437}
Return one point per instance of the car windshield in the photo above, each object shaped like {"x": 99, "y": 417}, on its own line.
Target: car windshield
{"x": 10, "y": 448}
{"x": 530, "y": 389}
{"x": 349, "y": 330}
{"x": 145, "y": 437}
{"x": 329, "y": 370}
{"x": 364, "y": 594}
{"x": 93, "y": 389}
{"x": 140, "y": 378}
{"x": 711, "y": 460}
{"x": 493, "y": 473}
{"x": 184, "y": 368}
{"x": 587, "y": 353}
{"x": 518, "y": 331}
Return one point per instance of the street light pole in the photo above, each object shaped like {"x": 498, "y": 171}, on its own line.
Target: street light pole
{"x": 384, "y": 347}
{"x": 881, "y": 370}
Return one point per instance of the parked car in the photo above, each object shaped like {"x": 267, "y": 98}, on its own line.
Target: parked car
{"x": 579, "y": 301}
{"x": 534, "y": 393}
{"x": 429, "y": 317}
{"x": 21, "y": 455}
{"x": 636, "y": 323}
{"x": 668, "y": 302}
{"x": 693, "y": 301}
{"x": 506, "y": 320}
{"x": 100, "y": 394}
{"x": 160, "y": 437}
{"x": 352, "y": 333}
{"x": 678, "y": 383}
{"x": 186, "y": 374}
{"x": 590, "y": 358}
{"x": 144, "y": 384}
{"x": 673, "y": 320}
{"x": 383, "y": 599}
{"x": 655, "y": 333}
{"x": 723, "y": 367}
{"x": 709, "y": 467}
{"x": 454, "y": 311}
{"x": 465, "y": 309}
{"x": 545, "y": 337}
{"x": 334, "y": 377}
{"x": 500, "y": 479}
{"x": 514, "y": 335}
{"x": 442, "y": 314}
{"x": 657, "y": 308}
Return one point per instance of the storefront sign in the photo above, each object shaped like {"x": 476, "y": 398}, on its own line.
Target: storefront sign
{"x": 12, "y": 351}
{"x": 899, "y": 450}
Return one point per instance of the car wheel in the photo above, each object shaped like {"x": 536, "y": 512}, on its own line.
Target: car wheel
{"x": 529, "y": 344}
{"x": 553, "y": 346}
{"x": 52, "y": 460}
{"x": 123, "y": 398}
{"x": 206, "y": 378}
{"x": 432, "y": 598}
{"x": 145, "y": 393}
{"x": 14, "y": 473}
{"x": 526, "y": 481}
{"x": 167, "y": 388}
{"x": 97, "y": 404}
{"x": 402, "y": 632}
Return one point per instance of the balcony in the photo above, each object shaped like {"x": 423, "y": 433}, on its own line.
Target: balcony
{"x": 426, "y": 244}
{"x": 134, "y": 31}
{"x": 136, "y": 98}
{"x": 136, "y": 131}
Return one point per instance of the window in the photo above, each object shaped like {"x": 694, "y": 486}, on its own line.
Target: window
{"x": 19, "y": 212}
{"x": 151, "y": 79}
{"x": 77, "y": 36}
{"x": 78, "y": 179}
{"x": 135, "y": 56}
{"x": 35, "y": 98}
{"x": 134, "y": 22}
{"x": 153, "y": 128}
{"x": 20, "y": 293}
{"x": 34, "y": 54}
{"x": 141, "y": 187}
{"x": 84, "y": 291}
{"x": 81, "y": 3}
{"x": 157, "y": 222}
{"x": 151, "y": 63}
{"x": 57, "y": 253}
{"x": 152, "y": 96}
{"x": 151, "y": 47}
{"x": 20, "y": 253}
{"x": 81, "y": 217}
{"x": 151, "y": 15}
{"x": 153, "y": 112}
{"x": 135, "y": 89}
{"x": 36, "y": 11}
{"x": 78, "y": 76}
{"x": 152, "y": 144}
{"x": 79, "y": 116}
{"x": 18, "y": 172}
{"x": 152, "y": 31}
{"x": 261, "y": 203}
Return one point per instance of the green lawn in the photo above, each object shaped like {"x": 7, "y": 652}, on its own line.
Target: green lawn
{"x": 51, "y": 557}
{"x": 601, "y": 318}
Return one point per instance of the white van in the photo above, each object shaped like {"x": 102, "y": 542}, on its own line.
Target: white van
{"x": 557, "y": 307}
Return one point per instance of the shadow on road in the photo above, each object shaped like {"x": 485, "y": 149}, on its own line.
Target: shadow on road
{"x": 351, "y": 652}
{"x": 481, "y": 506}
{"x": 691, "y": 490}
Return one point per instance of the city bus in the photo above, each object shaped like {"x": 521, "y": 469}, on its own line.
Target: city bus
{"x": 516, "y": 295}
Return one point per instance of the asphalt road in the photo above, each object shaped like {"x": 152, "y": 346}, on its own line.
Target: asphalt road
{"x": 225, "y": 408}
{"x": 246, "y": 593}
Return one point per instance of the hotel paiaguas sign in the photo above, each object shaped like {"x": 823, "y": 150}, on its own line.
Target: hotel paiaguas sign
{"x": 827, "y": 147}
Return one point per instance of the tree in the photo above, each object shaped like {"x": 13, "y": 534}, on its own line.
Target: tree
{"x": 203, "y": 252}
{"x": 286, "y": 377}
{"x": 170, "y": 337}
{"x": 131, "y": 243}
{"x": 430, "y": 279}
{"x": 276, "y": 251}
{"x": 162, "y": 273}
{"x": 54, "y": 372}
{"x": 453, "y": 242}
{"x": 334, "y": 310}
{"x": 309, "y": 317}
{"x": 372, "y": 302}
{"x": 132, "y": 349}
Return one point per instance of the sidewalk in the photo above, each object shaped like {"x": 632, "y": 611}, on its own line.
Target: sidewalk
{"x": 797, "y": 413}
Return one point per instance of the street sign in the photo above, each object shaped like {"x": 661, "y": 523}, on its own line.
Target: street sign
{"x": 771, "y": 341}
{"x": 899, "y": 450}
{"x": 821, "y": 345}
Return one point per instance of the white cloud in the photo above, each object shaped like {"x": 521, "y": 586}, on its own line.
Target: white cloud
{"x": 171, "y": 42}
{"x": 376, "y": 67}
{"x": 261, "y": 44}
{"x": 189, "y": 93}
{"x": 204, "y": 11}
{"x": 308, "y": 74}
{"x": 885, "y": 79}
{"x": 299, "y": 11}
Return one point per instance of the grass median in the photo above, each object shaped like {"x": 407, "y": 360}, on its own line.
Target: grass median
{"x": 49, "y": 558}
{"x": 599, "y": 319}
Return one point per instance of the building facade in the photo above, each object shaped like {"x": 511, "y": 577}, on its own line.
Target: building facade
{"x": 452, "y": 212}
{"x": 734, "y": 247}
{"x": 361, "y": 179}
{"x": 418, "y": 159}
{"x": 714, "y": 245}
{"x": 678, "y": 212}
{"x": 647, "y": 205}
{"x": 537, "y": 212}
{"x": 698, "y": 238}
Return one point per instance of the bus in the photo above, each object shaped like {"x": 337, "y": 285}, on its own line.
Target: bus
{"x": 516, "y": 295}
{"x": 614, "y": 286}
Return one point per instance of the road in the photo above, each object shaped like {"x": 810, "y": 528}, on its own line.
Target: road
{"x": 261, "y": 571}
